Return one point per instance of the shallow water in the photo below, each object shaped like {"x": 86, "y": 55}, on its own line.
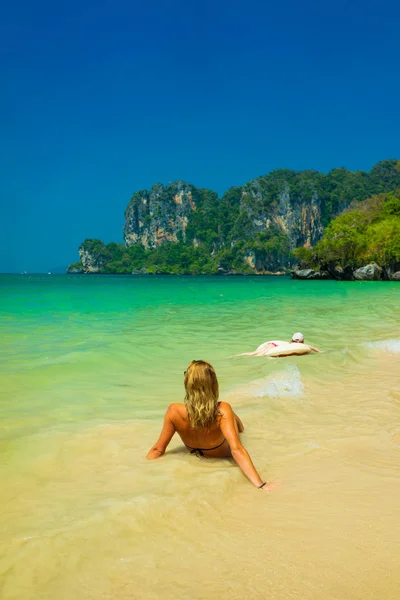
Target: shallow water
{"x": 88, "y": 366}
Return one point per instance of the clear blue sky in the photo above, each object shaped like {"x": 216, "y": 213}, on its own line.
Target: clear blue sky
{"x": 100, "y": 99}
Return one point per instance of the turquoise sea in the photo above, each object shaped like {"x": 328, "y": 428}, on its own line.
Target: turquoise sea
{"x": 89, "y": 365}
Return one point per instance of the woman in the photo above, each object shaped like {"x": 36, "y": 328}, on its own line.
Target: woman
{"x": 266, "y": 347}
{"x": 207, "y": 427}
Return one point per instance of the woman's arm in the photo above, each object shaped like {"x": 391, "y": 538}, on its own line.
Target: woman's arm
{"x": 260, "y": 351}
{"x": 239, "y": 423}
{"x": 313, "y": 348}
{"x": 238, "y": 451}
{"x": 166, "y": 434}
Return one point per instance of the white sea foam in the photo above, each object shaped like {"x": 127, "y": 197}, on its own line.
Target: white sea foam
{"x": 386, "y": 345}
{"x": 281, "y": 384}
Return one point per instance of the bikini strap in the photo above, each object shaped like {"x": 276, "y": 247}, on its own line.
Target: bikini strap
{"x": 201, "y": 450}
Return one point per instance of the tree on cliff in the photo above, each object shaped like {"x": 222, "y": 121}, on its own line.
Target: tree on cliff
{"x": 368, "y": 232}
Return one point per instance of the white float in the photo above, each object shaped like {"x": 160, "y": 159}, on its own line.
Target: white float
{"x": 288, "y": 349}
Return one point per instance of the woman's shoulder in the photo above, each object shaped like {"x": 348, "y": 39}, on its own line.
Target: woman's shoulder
{"x": 224, "y": 408}
{"x": 176, "y": 408}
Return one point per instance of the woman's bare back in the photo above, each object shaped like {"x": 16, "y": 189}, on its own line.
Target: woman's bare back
{"x": 210, "y": 441}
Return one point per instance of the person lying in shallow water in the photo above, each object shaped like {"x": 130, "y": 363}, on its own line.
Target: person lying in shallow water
{"x": 264, "y": 349}
{"x": 206, "y": 427}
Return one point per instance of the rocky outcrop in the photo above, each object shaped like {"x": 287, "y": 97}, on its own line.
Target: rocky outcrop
{"x": 340, "y": 273}
{"x": 371, "y": 272}
{"x": 159, "y": 215}
{"x": 263, "y": 264}
{"x": 90, "y": 262}
{"x": 75, "y": 269}
{"x": 391, "y": 271}
{"x": 250, "y": 259}
{"x": 94, "y": 256}
{"x": 309, "y": 274}
{"x": 303, "y": 274}
{"x": 142, "y": 271}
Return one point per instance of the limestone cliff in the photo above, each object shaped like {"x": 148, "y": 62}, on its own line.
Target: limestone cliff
{"x": 163, "y": 214}
{"x": 93, "y": 258}
{"x": 290, "y": 217}
{"x": 159, "y": 215}
{"x": 90, "y": 261}
{"x": 298, "y": 218}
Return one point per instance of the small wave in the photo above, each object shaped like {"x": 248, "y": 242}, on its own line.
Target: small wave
{"x": 278, "y": 385}
{"x": 386, "y": 345}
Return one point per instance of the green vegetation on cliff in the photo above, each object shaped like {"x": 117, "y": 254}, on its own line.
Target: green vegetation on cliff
{"x": 181, "y": 229}
{"x": 368, "y": 231}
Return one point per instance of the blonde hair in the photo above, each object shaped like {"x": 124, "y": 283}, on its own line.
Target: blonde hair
{"x": 201, "y": 399}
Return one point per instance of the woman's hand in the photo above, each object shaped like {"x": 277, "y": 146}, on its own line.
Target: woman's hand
{"x": 270, "y": 486}
{"x": 154, "y": 453}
